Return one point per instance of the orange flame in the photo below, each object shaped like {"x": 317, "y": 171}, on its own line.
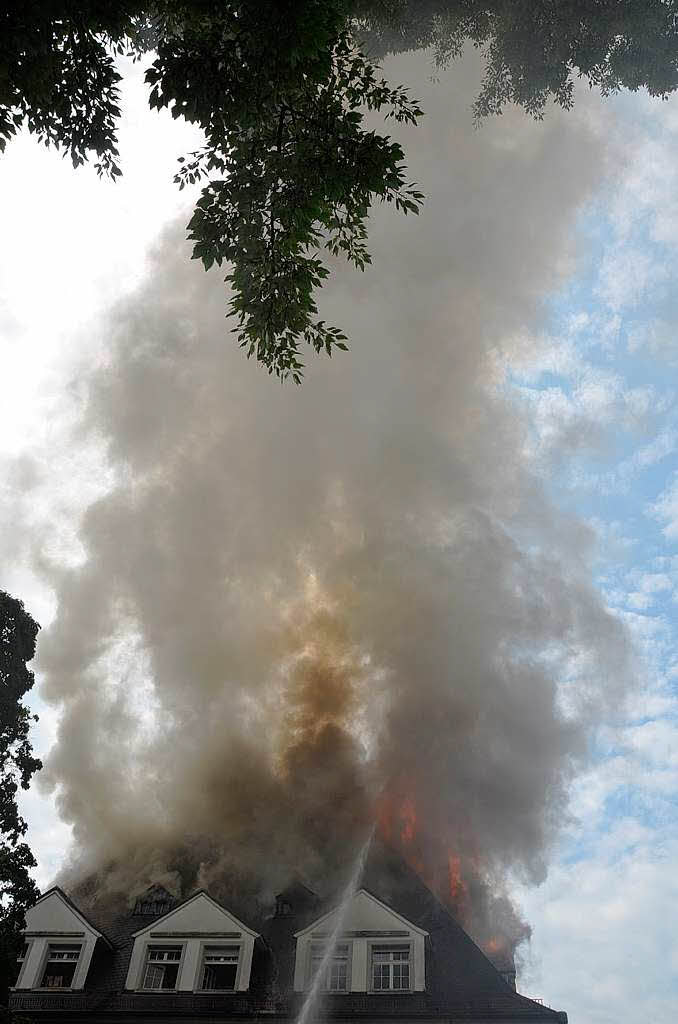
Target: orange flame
{"x": 443, "y": 857}
{"x": 456, "y": 884}
{"x": 408, "y": 820}
{"x": 397, "y": 818}
{"x": 432, "y": 856}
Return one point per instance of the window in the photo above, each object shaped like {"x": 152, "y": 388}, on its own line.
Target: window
{"x": 219, "y": 968}
{"x": 337, "y": 971}
{"x": 283, "y": 907}
{"x": 60, "y": 965}
{"x": 21, "y": 960}
{"x": 390, "y": 968}
{"x": 162, "y": 967}
{"x": 152, "y": 908}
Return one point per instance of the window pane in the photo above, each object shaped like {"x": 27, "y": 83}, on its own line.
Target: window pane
{"x": 58, "y": 975}
{"x": 153, "y": 977}
{"x": 381, "y": 976}
{"x": 61, "y": 951}
{"x": 337, "y": 976}
{"x": 401, "y": 976}
{"x": 159, "y": 977}
{"x": 219, "y": 977}
{"x": 336, "y": 971}
{"x": 20, "y": 961}
{"x": 390, "y": 968}
{"x": 60, "y": 965}
{"x": 170, "y": 975}
{"x": 220, "y": 967}
{"x": 164, "y": 954}
{"x": 221, "y": 954}
{"x": 162, "y": 967}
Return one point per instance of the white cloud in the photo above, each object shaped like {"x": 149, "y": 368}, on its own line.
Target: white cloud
{"x": 626, "y": 279}
{"x": 605, "y": 904}
{"x": 656, "y": 336}
{"x": 649, "y": 585}
{"x": 665, "y": 509}
{"x": 607, "y": 946}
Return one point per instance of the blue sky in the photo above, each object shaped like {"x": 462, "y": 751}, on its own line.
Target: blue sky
{"x": 598, "y": 386}
{"x": 602, "y": 400}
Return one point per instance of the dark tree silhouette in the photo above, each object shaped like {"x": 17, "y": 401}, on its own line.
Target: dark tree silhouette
{"x": 18, "y": 891}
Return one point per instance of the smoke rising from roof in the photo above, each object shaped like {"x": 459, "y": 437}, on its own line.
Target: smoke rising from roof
{"x": 302, "y": 607}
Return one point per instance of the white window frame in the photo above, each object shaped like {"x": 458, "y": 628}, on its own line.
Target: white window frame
{"x": 155, "y": 944}
{"x": 46, "y": 959}
{"x": 322, "y": 943}
{"x": 380, "y": 946}
{"x": 217, "y": 944}
{"x": 23, "y": 960}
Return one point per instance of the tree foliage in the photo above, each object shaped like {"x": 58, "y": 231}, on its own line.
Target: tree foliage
{"x": 535, "y": 50}
{"x": 18, "y": 891}
{"x": 280, "y": 88}
{"x": 296, "y": 169}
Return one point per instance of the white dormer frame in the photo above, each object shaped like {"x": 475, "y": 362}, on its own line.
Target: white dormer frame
{"x": 193, "y": 942}
{"x": 361, "y": 942}
{"x": 55, "y": 920}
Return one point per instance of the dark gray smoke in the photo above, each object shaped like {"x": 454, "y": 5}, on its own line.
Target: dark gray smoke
{"x": 302, "y": 608}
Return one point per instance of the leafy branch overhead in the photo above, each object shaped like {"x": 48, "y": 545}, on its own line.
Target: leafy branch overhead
{"x": 280, "y": 89}
{"x": 292, "y": 171}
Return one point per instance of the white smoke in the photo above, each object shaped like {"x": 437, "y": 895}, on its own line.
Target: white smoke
{"x": 301, "y": 604}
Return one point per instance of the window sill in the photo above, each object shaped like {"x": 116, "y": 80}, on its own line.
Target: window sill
{"x": 52, "y": 988}
{"x": 215, "y": 992}
{"x": 180, "y": 991}
{"x": 390, "y": 991}
{"x": 329, "y": 992}
{"x": 363, "y": 992}
{"x": 154, "y": 991}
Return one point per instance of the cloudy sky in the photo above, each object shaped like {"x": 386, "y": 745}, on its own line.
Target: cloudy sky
{"x": 570, "y": 285}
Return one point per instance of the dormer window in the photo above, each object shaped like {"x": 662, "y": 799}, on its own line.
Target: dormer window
{"x": 219, "y": 968}
{"x": 162, "y": 967}
{"x": 283, "y": 907}
{"x": 199, "y": 946}
{"x": 60, "y": 942}
{"x": 155, "y": 902}
{"x": 60, "y": 964}
{"x": 391, "y": 968}
{"x": 377, "y": 951}
{"x": 152, "y": 908}
{"x": 337, "y": 971}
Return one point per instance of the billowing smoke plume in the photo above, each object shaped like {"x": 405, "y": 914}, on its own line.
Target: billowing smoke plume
{"x": 304, "y": 609}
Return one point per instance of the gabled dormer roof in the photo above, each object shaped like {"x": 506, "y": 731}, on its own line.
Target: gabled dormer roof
{"x": 198, "y": 913}
{"x": 364, "y": 904}
{"x": 54, "y": 912}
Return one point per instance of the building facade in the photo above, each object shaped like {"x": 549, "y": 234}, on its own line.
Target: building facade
{"x": 197, "y": 960}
